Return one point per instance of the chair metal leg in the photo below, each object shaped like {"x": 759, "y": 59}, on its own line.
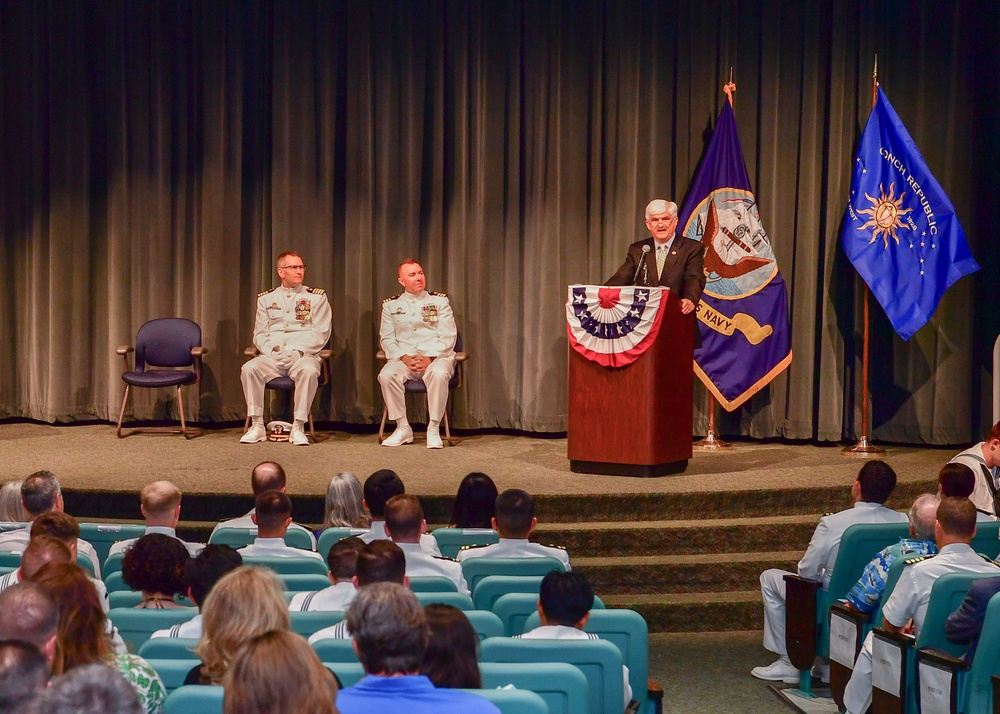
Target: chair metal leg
{"x": 312, "y": 428}
{"x": 180, "y": 406}
{"x": 381, "y": 427}
{"x": 121, "y": 414}
{"x": 447, "y": 428}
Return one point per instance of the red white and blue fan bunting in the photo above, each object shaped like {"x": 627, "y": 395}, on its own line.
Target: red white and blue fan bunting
{"x": 613, "y": 325}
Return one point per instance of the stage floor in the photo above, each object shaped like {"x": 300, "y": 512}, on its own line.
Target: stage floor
{"x": 92, "y": 458}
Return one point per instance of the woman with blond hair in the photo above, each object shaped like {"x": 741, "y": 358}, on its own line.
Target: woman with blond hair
{"x": 246, "y": 602}
{"x": 277, "y": 672}
{"x": 345, "y": 503}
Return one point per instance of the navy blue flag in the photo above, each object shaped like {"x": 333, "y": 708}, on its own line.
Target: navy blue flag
{"x": 743, "y": 313}
{"x": 900, "y": 229}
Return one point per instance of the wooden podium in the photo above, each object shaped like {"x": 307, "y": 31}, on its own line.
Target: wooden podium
{"x": 636, "y": 420}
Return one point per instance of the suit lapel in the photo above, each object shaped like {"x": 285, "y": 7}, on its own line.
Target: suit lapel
{"x": 669, "y": 262}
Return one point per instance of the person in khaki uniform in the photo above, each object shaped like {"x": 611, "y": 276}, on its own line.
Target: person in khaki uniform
{"x": 417, "y": 333}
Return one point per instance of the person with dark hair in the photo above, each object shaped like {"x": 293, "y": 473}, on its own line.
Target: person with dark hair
{"x": 515, "y": 520}
{"x": 390, "y": 634}
{"x": 201, "y": 574}
{"x": 23, "y": 674}
{"x": 451, "y": 658}
{"x": 266, "y": 476}
{"x": 160, "y": 504}
{"x": 90, "y": 689}
{"x": 41, "y": 549}
{"x": 29, "y": 612}
{"x": 155, "y": 566}
{"x": 40, "y": 494}
{"x": 564, "y": 603}
{"x": 475, "y": 502}
{"x": 273, "y": 515}
{"x": 959, "y": 481}
{"x": 379, "y": 488}
{"x": 873, "y": 486}
{"x": 278, "y": 672}
{"x": 984, "y": 460}
{"x": 404, "y": 523}
{"x": 342, "y": 561}
{"x": 63, "y": 527}
{"x": 954, "y": 530}
{"x": 381, "y": 561}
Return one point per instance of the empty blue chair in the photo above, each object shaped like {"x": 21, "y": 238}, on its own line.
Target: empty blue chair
{"x": 336, "y": 650}
{"x": 288, "y": 566}
{"x": 103, "y": 535}
{"x": 462, "y": 602}
{"x": 194, "y": 699}
{"x": 306, "y": 623}
{"x": 173, "y": 672}
{"x": 169, "y": 648}
{"x": 135, "y": 626}
{"x": 562, "y": 686}
{"x": 492, "y": 587}
{"x": 330, "y": 536}
{"x": 475, "y": 569}
{"x": 432, "y": 584}
{"x": 485, "y": 623}
{"x": 303, "y": 582}
{"x": 239, "y": 537}
{"x": 349, "y": 673}
{"x": 512, "y": 701}
{"x": 452, "y": 540}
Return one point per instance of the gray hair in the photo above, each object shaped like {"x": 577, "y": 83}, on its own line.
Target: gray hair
{"x": 345, "y": 503}
{"x": 389, "y": 628}
{"x": 659, "y": 205}
{"x": 11, "y": 508}
{"x": 923, "y": 515}
{"x": 23, "y": 674}
{"x": 28, "y": 612}
{"x": 39, "y": 492}
{"x": 90, "y": 689}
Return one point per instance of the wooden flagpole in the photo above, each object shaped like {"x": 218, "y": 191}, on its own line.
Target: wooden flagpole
{"x": 864, "y": 448}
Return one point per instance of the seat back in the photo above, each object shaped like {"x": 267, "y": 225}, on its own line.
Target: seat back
{"x": 513, "y": 610}
{"x": 10, "y": 559}
{"x": 432, "y": 584}
{"x": 336, "y": 650}
{"x": 169, "y": 648}
{"x": 492, "y": 587}
{"x": 562, "y": 686}
{"x": 113, "y": 563}
{"x": 135, "y": 625}
{"x": 947, "y": 594}
{"x": 986, "y": 663}
{"x": 485, "y": 623}
{"x": 986, "y": 540}
{"x": 166, "y": 342}
{"x": 462, "y": 602}
{"x": 599, "y": 660}
{"x": 194, "y": 699}
{"x": 306, "y": 623}
{"x": 330, "y": 536}
{"x": 288, "y": 566}
{"x": 302, "y": 582}
{"x": 475, "y": 569}
{"x": 512, "y": 701}
{"x": 349, "y": 673}
{"x": 103, "y": 535}
{"x": 239, "y": 537}
{"x": 452, "y": 540}
{"x": 7, "y": 526}
{"x": 173, "y": 672}
{"x": 628, "y": 631}
{"x": 114, "y": 582}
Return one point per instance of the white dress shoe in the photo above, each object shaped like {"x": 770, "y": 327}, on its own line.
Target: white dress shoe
{"x": 402, "y": 435}
{"x": 255, "y": 434}
{"x": 434, "y": 438}
{"x": 298, "y": 437}
{"x": 781, "y": 670}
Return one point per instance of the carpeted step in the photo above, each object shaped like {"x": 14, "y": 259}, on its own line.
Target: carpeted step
{"x": 695, "y": 612}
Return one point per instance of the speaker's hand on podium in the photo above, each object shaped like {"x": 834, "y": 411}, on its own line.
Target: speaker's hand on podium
{"x": 686, "y": 306}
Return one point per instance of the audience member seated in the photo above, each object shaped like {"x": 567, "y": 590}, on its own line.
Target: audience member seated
{"x": 475, "y": 502}
{"x": 984, "y": 460}
{"x": 160, "y": 503}
{"x": 64, "y": 527}
{"x": 953, "y": 531}
{"x": 875, "y": 483}
{"x": 345, "y": 503}
{"x": 564, "y": 603}
{"x": 273, "y": 516}
{"x": 23, "y": 675}
{"x": 83, "y": 639}
{"x": 451, "y": 658}
{"x": 11, "y": 508}
{"x": 201, "y": 574}
{"x": 42, "y": 549}
{"x": 514, "y": 521}
{"x": 390, "y": 635}
{"x": 404, "y": 523}
{"x": 266, "y": 476}
{"x": 278, "y": 672}
{"x": 380, "y": 561}
{"x": 41, "y": 493}
{"x": 155, "y": 566}
{"x": 29, "y": 613}
{"x": 965, "y": 625}
{"x": 867, "y": 592}
{"x": 379, "y": 488}
{"x": 244, "y": 603}
{"x": 342, "y": 561}
{"x": 959, "y": 481}
{"x": 91, "y": 689}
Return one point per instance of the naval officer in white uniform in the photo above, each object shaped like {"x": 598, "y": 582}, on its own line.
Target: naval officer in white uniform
{"x": 291, "y": 327}
{"x": 417, "y": 334}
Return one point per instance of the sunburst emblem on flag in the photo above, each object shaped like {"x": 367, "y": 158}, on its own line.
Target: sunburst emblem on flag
{"x": 884, "y": 215}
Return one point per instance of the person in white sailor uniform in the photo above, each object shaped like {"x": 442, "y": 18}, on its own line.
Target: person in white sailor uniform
{"x": 514, "y": 521}
{"x": 292, "y": 325}
{"x": 417, "y": 333}
{"x": 984, "y": 460}
{"x": 954, "y": 530}
{"x": 404, "y": 522}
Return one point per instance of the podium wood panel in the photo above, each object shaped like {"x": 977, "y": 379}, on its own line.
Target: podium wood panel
{"x": 635, "y": 420}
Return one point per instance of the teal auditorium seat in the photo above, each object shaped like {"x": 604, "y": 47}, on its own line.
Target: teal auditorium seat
{"x": 169, "y": 648}
{"x": 485, "y": 623}
{"x": 513, "y": 701}
{"x": 462, "y": 602}
{"x": 194, "y": 699}
{"x": 978, "y": 690}
{"x": 9, "y": 559}
{"x": 432, "y": 584}
{"x": 303, "y": 582}
{"x": 131, "y": 598}
{"x": 600, "y": 662}
{"x": 173, "y": 672}
{"x": 451, "y": 540}
{"x": 475, "y": 569}
{"x": 288, "y": 566}
{"x": 103, "y": 535}
{"x": 349, "y": 673}
{"x": 239, "y": 537}
{"x": 7, "y": 526}
{"x": 986, "y": 540}
{"x": 492, "y": 587}
{"x": 135, "y": 626}
{"x": 113, "y": 563}
{"x": 336, "y": 651}
{"x": 306, "y": 623}
{"x": 330, "y": 536}
{"x": 562, "y": 686}
{"x": 513, "y": 609}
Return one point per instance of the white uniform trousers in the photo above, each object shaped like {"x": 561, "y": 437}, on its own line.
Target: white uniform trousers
{"x": 858, "y": 694}
{"x": 262, "y": 369}
{"x": 772, "y": 590}
{"x": 436, "y": 378}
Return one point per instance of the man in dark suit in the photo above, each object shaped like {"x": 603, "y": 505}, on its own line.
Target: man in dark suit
{"x": 965, "y": 625}
{"x": 670, "y": 261}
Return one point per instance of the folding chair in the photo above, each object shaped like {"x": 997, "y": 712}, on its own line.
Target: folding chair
{"x": 287, "y": 385}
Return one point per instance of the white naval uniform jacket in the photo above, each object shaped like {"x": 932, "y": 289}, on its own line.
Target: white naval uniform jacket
{"x": 292, "y": 318}
{"x": 417, "y": 324}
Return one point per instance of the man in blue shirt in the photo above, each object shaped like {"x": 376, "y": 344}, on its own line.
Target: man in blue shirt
{"x": 390, "y": 635}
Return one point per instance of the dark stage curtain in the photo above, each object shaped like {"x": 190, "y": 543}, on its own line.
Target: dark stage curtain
{"x": 157, "y": 156}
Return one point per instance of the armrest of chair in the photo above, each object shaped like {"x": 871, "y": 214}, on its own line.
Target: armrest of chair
{"x": 199, "y": 351}
{"x": 892, "y": 699}
{"x": 654, "y": 694}
{"x": 325, "y": 354}
{"x": 123, "y": 352}
{"x": 847, "y": 632}
{"x": 380, "y": 355}
{"x": 461, "y": 356}
{"x": 801, "y": 606}
{"x": 250, "y": 351}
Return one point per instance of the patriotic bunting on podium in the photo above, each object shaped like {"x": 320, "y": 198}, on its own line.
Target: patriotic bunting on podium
{"x": 613, "y": 325}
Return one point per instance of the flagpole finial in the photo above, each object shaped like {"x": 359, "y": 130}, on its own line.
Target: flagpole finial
{"x": 730, "y": 87}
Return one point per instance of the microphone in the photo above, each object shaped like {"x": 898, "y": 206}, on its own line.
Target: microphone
{"x": 642, "y": 263}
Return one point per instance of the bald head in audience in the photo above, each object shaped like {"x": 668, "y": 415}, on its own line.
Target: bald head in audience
{"x": 30, "y": 613}
{"x": 267, "y": 476}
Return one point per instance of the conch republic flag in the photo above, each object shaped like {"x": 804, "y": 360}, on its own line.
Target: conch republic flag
{"x": 743, "y": 314}
{"x": 900, "y": 229}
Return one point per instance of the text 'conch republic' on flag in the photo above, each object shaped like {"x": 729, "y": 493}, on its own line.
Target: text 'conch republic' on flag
{"x": 743, "y": 313}
{"x": 900, "y": 229}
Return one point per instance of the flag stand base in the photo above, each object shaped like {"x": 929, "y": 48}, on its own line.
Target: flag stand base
{"x": 711, "y": 443}
{"x": 864, "y": 449}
